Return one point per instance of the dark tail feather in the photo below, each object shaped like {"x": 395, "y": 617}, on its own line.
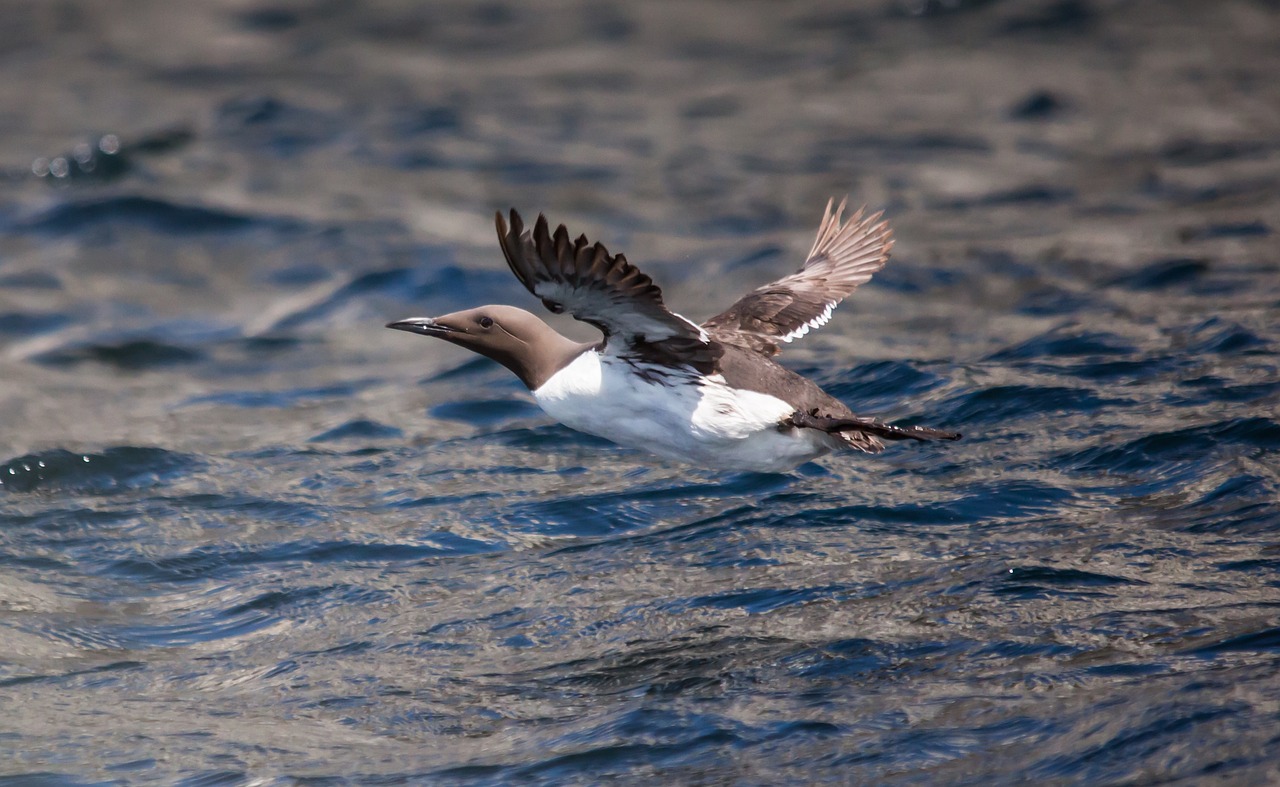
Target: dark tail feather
{"x": 831, "y": 425}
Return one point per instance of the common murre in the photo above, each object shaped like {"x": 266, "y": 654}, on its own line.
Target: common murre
{"x": 708, "y": 394}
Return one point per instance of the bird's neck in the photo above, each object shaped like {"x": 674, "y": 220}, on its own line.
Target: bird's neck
{"x": 547, "y": 354}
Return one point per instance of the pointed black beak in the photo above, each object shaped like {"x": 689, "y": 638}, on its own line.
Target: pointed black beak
{"x": 424, "y": 326}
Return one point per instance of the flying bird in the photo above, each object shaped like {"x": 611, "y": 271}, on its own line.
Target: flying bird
{"x": 709, "y": 394}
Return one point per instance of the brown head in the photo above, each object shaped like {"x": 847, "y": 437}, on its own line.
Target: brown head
{"x": 513, "y": 337}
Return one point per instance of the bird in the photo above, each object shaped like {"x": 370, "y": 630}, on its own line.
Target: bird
{"x": 709, "y": 394}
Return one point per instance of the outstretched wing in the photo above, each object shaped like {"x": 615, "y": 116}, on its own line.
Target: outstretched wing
{"x": 844, "y": 255}
{"x": 604, "y": 290}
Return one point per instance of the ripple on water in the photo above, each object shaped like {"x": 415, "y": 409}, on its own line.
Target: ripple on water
{"x": 223, "y": 562}
{"x": 113, "y": 470}
{"x": 358, "y": 429}
{"x": 1171, "y": 455}
{"x": 76, "y": 216}
{"x": 1017, "y": 403}
{"x": 127, "y": 355}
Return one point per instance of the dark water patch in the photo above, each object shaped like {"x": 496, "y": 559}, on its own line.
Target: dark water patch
{"x": 845, "y": 150}
{"x": 132, "y": 355}
{"x": 272, "y": 125}
{"x": 1039, "y": 105}
{"x": 211, "y": 778}
{"x": 1010, "y": 499}
{"x": 432, "y": 280}
{"x": 1067, "y": 342}
{"x": 678, "y": 740}
{"x": 400, "y": 281}
{"x": 640, "y": 506}
{"x": 1243, "y": 229}
{"x": 1050, "y": 301}
{"x": 918, "y": 279}
{"x": 446, "y": 501}
{"x": 1061, "y": 17}
{"x": 112, "y": 471}
{"x": 981, "y": 503}
{"x": 106, "y": 158}
{"x": 648, "y": 665}
{"x": 766, "y": 257}
{"x": 204, "y": 563}
{"x": 847, "y": 659}
{"x": 281, "y": 511}
{"x": 418, "y": 120}
{"x": 711, "y": 107}
{"x": 883, "y": 384}
{"x": 1261, "y": 641}
{"x": 758, "y": 217}
{"x": 1127, "y": 670}
{"x": 104, "y": 669}
{"x": 1242, "y": 192}
{"x": 1155, "y": 730}
{"x": 474, "y": 367}
{"x": 22, "y": 323}
{"x": 485, "y": 412}
{"x": 1016, "y": 403}
{"x": 279, "y": 399}
{"x": 157, "y": 215}
{"x": 537, "y": 172}
{"x": 1124, "y": 372}
{"x": 358, "y": 429}
{"x": 1005, "y": 265}
{"x": 202, "y": 625}
{"x": 1263, "y": 566}
{"x": 268, "y": 19}
{"x": 699, "y": 529}
{"x": 1221, "y": 337}
{"x": 298, "y": 275}
{"x": 67, "y": 524}
{"x": 44, "y": 564}
{"x": 31, "y": 280}
{"x": 938, "y": 8}
{"x": 553, "y": 438}
{"x": 1160, "y": 454}
{"x": 50, "y": 779}
{"x": 1024, "y": 196}
{"x": 1038, "y": 582}
{"x": 761, "y": 600}
{"x": 267, "y": 345}
{"x": 1241, "y": 504}
{"x": 1005, "y": 651}
{"x": 1162, "y": 274}
{"x": 1065, "y": 577}
{"x": 1212, "y": 390}
{"x": 1189, "y": 152}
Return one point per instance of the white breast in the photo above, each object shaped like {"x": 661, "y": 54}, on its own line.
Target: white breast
{"x": 680, "y": 415}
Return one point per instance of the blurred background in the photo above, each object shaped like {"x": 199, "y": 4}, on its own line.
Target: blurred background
{"x": 247, "y": 535}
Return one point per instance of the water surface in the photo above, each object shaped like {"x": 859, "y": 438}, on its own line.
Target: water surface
{"x": 249, "y": 536}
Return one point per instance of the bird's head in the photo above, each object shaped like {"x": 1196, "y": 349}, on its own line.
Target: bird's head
{"x": 513, "y": 337}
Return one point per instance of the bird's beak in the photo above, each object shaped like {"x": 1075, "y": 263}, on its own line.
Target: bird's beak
{"x": 425, "y": 326}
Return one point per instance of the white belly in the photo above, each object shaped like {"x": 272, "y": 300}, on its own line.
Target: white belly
{"x": 704, "y": 423}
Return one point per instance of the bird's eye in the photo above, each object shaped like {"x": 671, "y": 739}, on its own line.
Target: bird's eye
{"x": 485, "y": 322}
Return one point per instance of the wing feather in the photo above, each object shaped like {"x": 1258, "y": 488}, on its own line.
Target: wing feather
{"x": 845, "y": 255}
{"x": 603, "y": 289}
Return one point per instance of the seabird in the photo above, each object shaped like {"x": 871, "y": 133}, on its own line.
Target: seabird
{"x": 708, "y": 394}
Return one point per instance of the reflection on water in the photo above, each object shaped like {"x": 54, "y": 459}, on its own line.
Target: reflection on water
{"x": 248, "y": 534}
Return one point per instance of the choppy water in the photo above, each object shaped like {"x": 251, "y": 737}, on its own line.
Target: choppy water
{"x": 249, "y": 536}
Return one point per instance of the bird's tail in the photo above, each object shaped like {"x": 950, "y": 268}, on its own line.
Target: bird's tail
{"x": 830, "y": 425}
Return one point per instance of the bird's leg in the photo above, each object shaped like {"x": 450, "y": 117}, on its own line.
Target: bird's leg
{"x": 824, "y": 423}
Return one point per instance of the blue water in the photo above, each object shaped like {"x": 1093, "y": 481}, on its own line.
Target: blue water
{"x": 248, "y": 536}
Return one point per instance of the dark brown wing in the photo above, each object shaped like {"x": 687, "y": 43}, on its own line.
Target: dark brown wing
{"x": 604, "y": 290}
{"x": 843, "y": 256}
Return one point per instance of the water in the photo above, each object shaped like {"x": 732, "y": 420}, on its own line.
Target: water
{"x": 247, "y": 535}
